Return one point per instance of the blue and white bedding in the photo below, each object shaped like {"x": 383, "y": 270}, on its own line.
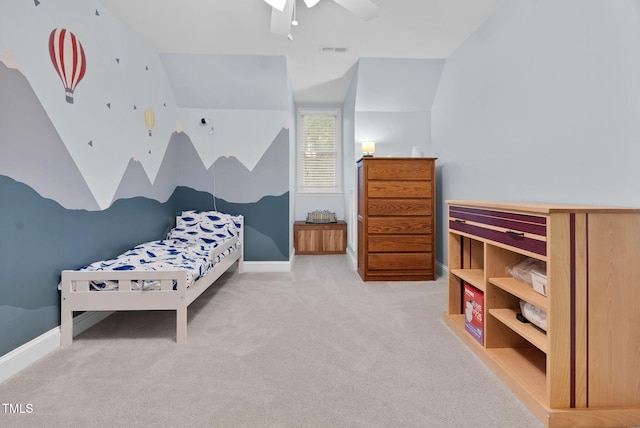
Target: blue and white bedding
{"x": 199, "y": 241}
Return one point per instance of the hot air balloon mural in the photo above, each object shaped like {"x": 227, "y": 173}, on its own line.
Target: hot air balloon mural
{"x": 149, "y": 119}
{"x": 68, "y": 59}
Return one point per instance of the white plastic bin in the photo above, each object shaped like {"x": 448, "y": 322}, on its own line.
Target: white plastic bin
{"x": 539, "y": 282}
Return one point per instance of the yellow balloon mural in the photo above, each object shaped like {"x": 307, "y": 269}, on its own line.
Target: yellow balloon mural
{"x": 149, "y": 119}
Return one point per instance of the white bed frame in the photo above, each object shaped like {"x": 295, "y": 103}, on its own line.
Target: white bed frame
{"x": 77, "y": 295}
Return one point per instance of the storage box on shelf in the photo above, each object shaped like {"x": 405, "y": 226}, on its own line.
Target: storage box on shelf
{"x": 474, "y": 312}
{"x": 539, "y": 282}
{"x": 582, "y": 372}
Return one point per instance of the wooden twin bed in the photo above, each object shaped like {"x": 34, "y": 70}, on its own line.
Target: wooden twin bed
{"x": 172, "y": 290}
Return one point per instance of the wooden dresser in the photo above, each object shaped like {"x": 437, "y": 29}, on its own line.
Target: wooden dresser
{"x": 583, "y": 371}
{"x": 396, "y": 219}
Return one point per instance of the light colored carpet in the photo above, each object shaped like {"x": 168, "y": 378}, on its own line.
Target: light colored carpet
{"x": 316, "y": 347}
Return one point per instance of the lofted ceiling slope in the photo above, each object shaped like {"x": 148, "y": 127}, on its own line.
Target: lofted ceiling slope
{"x": 403, "y": 29}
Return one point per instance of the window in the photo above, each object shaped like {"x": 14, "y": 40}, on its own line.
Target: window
{"x": 319, "y": 150}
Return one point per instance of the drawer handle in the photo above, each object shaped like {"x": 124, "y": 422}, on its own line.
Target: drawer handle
{"x": 460, "y": 221}
{"x": 515, "y": 234}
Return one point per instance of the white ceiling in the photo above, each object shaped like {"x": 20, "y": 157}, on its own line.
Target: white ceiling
{"x": 404, "y": 29}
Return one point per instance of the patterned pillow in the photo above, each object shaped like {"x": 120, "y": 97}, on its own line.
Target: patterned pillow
{"x": 198, "y": 216}
{"x": 205, "y": 227}
{"x": 212, "y": 216}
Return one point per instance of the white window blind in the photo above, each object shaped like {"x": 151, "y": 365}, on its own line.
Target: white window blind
{"x": 319, "y": 149}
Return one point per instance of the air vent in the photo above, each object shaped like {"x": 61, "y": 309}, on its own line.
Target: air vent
{"x": 333, "y": 49}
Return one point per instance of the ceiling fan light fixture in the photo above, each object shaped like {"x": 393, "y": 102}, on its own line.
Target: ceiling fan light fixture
{"x": 294, "y": 21}
{"x": 311, "y": 3}
{"x": 277, "y": 4}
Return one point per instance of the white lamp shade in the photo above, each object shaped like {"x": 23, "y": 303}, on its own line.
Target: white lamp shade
{"x": 368, "y": 147}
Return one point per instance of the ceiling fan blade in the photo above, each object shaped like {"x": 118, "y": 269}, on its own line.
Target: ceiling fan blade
{"x": 277, "y": 4}
{"x": 364, "y": 9}
{"x": 281, "y": 20}
{"x": 311, "y": 3}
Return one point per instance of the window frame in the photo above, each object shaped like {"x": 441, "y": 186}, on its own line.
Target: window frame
{"x": 311, "y": 111}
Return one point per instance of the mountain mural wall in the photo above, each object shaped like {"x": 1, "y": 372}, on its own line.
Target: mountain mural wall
{"x": 40, "y": 238}
{"x": 261, "y": 195}
{"x": 51, "y": 222}
{"x": 31, "y": 150}
{"x": 36, "y": 156}
{"x": 75, "y": 188}
{"x": 228, "y": 178}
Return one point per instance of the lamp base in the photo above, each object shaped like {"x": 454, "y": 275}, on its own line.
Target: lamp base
{"x": 367, "y": 156}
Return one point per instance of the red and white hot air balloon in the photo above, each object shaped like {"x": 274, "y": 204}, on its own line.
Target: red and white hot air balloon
{"x": 68, "y": 59}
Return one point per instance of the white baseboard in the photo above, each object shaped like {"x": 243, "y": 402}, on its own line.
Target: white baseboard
{"x": 353, "y": 259}
{"x": 441, "y": 269}
{"x": 267, "y": 266}
{"x": 27, "y": 354}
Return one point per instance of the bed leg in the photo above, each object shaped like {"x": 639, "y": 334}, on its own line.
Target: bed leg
{"x": 181, "y": 325}
{"x": 66, "y": 326}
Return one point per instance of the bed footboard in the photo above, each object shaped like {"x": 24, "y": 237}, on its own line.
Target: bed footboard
{"x": 76, "y": 295}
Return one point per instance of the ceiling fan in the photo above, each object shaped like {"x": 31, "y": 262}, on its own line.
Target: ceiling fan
{"x": 283, "y": 13}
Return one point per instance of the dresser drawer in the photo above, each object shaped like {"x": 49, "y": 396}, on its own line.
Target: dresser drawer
{"x": 399, "y": 243}
{"x": 399, "y": 189}
{"x": 399, "y": 169}
{"x": 523, "y": 231}
{"x": 399, "y": 206}
{"x": 399, "y": 261}
{"x": 399, "y": 225}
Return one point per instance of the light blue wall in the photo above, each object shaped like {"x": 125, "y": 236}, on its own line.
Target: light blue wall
{"x": 389, "y": 102}
{"x": 292, "y": 160}
{"x": 542, "y": 104}
{"x": 393, "y": 104}
{"x": 350, "y": 179}
{"x": 229, "y": 82}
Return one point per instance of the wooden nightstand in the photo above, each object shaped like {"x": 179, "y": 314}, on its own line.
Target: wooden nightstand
{"x": 320, "y": 238}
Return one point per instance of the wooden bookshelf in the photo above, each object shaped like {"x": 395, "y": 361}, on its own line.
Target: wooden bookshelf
{"x": 583, "y": 371}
